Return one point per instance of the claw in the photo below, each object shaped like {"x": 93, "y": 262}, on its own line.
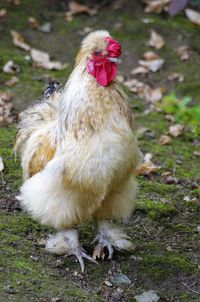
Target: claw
{"x": 80, "y": 254}
{"x": 103, "y": 250}
{"x": 67, "y": 243}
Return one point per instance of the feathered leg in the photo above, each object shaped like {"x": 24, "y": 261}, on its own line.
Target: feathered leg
{"x": 108, "y": 238}
{"x": 67, "y": 242}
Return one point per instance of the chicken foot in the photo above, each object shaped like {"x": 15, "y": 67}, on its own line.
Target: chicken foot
{"x": 110, "y": 237}
{"x": 67, "y": 242}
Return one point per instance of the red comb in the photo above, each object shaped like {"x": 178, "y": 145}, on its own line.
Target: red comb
{"x": 113, "y": 47}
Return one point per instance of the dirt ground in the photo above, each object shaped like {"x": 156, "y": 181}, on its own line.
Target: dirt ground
{"x": 164, "y": 227}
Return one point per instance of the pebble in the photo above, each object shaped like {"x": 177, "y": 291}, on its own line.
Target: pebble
{"x": 149, "y": 296}
{"x": 120, "y": 279}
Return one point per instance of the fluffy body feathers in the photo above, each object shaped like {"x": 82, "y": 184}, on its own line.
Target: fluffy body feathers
{"x": 78, "y": 149}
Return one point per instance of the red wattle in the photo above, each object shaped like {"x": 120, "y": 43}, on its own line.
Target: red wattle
{"x": 102, "y": 69}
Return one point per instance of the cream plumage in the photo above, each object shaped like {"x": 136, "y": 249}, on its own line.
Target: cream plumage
{"x": 79, "y": 152}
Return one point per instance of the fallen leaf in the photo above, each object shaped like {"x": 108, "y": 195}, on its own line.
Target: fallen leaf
{"x": 152, "y": 65}
{"x": 139, "y": 70}
{"x": 150, "y": 55}
{"x": 133, "y": 85}
{"x": 5, "y": 96}
{"x": 156, "y": 40}
{"x": 147, "y": 167}
{"x": 11, "y": 68}
{"x": 68, "y": 16}
{"x": 197, "y": 153}
{"x": 33, "y": 23}
{"x": 164, "y": 140}
{"x": 120, "y": 78}
{"x": 3, "y": 13}
{"x": 11, "y": 82}
{"x": 6, "y": 107}
{"x": 149, "y": 94}
{"x": 42, "y": 59}
{"x": 46, "y": 28}
{"x": 17, "y": 2}
{"x": 176, "y": 130}
{"x": 177, "y": 6}
{"x": 77, "y": 8}
{"x": 170, "y": 117}
{"x": 183, "y": 52}
{"x": 1, "y": 164}
{"x": 175, "y": 76}
{"x": 151, "y": 61}
{"x": 18, "y": 40}
{"x": 85, "y": 30}
{"x": 156, "y": 6}
{"x": 193, "y": 16}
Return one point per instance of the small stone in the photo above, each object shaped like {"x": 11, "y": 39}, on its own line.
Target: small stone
{"x": 171, "y": 180}
{"x": 46, "y": 28}
{"x": 108, "y": 283}
{"x": 169, "y": 248}
{"x": 149, "y": 296}
{"x": 9, "y": 289}
{"x": 55, "y": 299}
{"x": 120, "y": 279}
{"x": 198, "y": 228}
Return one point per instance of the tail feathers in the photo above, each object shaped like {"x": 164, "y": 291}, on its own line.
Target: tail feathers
{"x": 116, "y": 237}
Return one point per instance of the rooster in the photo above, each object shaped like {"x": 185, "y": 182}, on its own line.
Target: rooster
{"x": 79, "y": 153}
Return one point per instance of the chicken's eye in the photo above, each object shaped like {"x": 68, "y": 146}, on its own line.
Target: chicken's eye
{"x": 97, "y": 52}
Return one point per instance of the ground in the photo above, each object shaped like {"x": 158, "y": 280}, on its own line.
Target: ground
{"x": 164, "y": 226}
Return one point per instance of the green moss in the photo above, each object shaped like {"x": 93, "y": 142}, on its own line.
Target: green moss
{"x": 156, "y": 209}
{"x": 161, "y": 267}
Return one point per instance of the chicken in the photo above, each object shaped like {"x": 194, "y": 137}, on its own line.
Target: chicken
{"x": 79, "y": 153}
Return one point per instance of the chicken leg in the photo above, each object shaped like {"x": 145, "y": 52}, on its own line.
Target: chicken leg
{"x": 110, "y": 237}
{"x": 67, "y": 242}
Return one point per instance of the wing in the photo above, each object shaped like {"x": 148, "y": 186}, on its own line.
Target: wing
{"x": 36, "y": 139}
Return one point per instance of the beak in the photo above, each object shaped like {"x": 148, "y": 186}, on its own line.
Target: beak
{"x": 115, "y": 60}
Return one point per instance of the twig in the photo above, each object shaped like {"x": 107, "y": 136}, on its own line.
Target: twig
{"x": 146, "y": 229}
{"x": 192, "y": 290}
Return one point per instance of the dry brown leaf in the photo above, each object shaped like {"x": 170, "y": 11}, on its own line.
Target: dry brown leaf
{"x": 33, "y": 23}
{"x": 139, "y": 70}
{"x": 151, "y": 55}
{"x": 5, "y": 96}
{"x": 170, "y": 117}
{"x": 197, "y": 153}
{"x": 156, "y": 40}
{"x": 176, "y": 76}
{"x": 18, "y": 40}
{"x": 3, "y": 13}
{"x": 134, "y": 85}
{"x": 164, "y": 140}
{"x": 12, "y": 81}
{"x": 176, "y": 130}
{"x": 42, "y": 59}
{"x": 11, "y": 68}
{"x": 6, "y": 107}
{"x": 193, "y": 16}
{"x": 120, "y": 78}
{"x": 152, "y": 65}
{"x": 156, "y": 6}
{"x": 147, "y": 167}
{"x": 77, "y": 8}
{"x": 68, "y": 16}
{"x": 183, "y": 52}
{"x": 17, "y": 2}
{"x": 1, "y": 164}
{"x": 151, "y": 95}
